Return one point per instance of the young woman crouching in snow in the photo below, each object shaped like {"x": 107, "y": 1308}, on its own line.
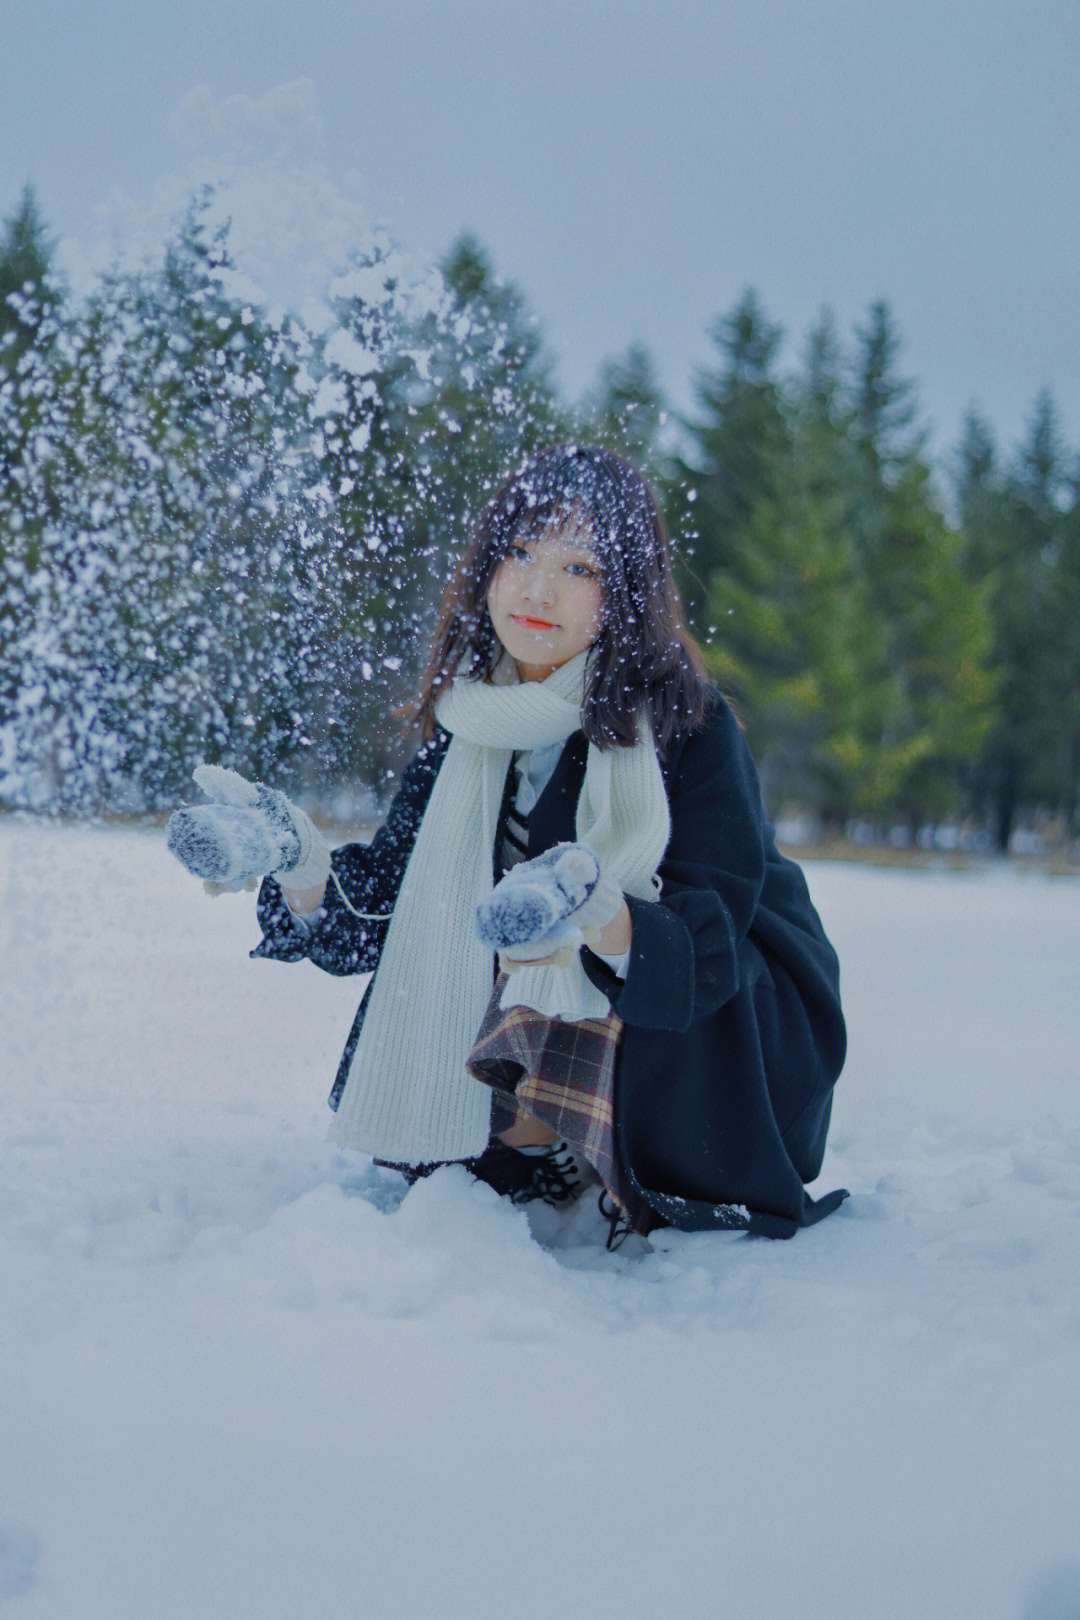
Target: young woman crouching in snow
{"x": 590, "y": 961}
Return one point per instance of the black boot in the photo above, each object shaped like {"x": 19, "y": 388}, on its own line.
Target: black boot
{"x": 551, "y": 1172}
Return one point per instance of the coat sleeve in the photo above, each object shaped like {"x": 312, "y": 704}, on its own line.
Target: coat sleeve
{"x": 347, "y": 934}
{"x": 686, "y": 956}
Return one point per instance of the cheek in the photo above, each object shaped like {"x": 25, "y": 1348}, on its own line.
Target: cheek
{"x": 493, "y": 589}
{"x": 595, "y": 609}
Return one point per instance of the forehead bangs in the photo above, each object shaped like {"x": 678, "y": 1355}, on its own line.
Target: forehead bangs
{"x": 574, "y": 485}
{"x": 570, "y": 525}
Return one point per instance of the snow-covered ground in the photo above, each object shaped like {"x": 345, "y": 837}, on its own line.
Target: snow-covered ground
{"x": 241, "y": 1376}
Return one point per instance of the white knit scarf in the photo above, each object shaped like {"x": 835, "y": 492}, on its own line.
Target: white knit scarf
{"x": 408, "y": 1097}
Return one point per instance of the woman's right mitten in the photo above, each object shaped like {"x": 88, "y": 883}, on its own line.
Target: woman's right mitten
{"x": 248, "y": 830}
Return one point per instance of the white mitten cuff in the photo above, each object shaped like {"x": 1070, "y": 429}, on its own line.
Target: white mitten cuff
{"x": 312, "y": 867}
{"x": 597, "y": 911}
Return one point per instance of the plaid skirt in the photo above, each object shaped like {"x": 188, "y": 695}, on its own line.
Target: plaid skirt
{"x": 562, "y": 1074}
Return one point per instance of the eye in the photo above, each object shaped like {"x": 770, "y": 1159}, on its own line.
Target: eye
{"x": 581, "y": 570}
{"x": 517, "y": 553}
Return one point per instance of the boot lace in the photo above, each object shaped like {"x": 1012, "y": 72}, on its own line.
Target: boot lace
{"x": 555, "y": 1179}
{"x": 620, "y": 1225}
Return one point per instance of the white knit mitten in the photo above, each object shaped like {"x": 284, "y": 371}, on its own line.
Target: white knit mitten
{"x": 248, "y": 830}
{"x": 548, "y": 906}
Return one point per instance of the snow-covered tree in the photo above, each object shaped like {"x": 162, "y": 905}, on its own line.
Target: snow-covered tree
{"x": 156, "y": 622}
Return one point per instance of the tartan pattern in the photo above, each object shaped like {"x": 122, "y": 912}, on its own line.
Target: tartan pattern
{"x": 560, "y": 1073}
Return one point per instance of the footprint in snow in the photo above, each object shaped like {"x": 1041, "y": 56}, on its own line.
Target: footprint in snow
{"x": 20, "y": 1550}
{"x": 1054, "y": 1592}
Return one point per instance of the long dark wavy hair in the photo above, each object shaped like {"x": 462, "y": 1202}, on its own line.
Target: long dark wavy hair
{"x": 644, "y": 656}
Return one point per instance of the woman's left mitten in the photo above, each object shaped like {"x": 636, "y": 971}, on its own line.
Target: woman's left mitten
{"x": 548, "y": 905}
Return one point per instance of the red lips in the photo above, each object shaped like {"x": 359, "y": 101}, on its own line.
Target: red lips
{"x": 532, "y": 624}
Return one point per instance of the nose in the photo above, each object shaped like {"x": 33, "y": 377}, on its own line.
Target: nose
{"x": 540, "y": 585}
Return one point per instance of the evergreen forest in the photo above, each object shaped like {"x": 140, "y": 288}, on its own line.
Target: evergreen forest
{"x": 224, "y": 533}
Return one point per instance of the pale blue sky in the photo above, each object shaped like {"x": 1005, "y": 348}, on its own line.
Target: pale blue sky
{"x": 633, "y": 164}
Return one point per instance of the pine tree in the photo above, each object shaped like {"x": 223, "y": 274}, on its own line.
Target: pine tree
{"x": 624, "y": 410}
{"x": 29, "y": 291}
{"x": 31, "y": 304}
{"x": 987, "y": 519}
{"x": 738, "y": 445}
{"x": 492, "y": 400}
{"x": 771, "y": 470}
{"x": 161, "y": 621}
{"x": 1034, "y": 741}
{"x": 926, "y": 684}
{"x": 979, "y": 492}
{"x": 883, "y": 406}
{"x": 1058, "y": 739}
{"x": 487, "y": 402}
{"x": 1020, "y": 523}
{"x": 808, "y": 696}
{"x": 372, "y": 368}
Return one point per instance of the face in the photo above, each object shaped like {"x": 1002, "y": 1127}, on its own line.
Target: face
{"x": 545, "y": 600}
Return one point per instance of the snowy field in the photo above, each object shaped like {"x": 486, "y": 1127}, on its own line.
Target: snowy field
{"x": 243, "y": 1378}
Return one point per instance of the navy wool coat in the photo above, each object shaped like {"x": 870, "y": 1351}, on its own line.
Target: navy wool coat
{"x": 733, "y": 1034}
